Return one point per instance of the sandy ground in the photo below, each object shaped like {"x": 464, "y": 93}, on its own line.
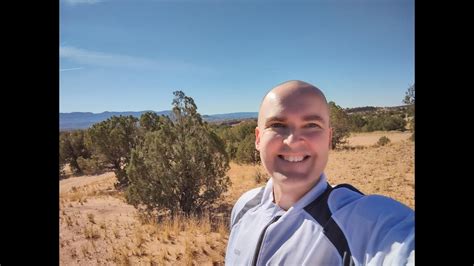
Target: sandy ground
{"x": 367, "y": 139}
{"x": 97, "y": 226}
{"x": 387, "y": 170}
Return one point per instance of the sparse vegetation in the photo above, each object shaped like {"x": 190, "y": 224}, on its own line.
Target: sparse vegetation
{"x": 179, "y": 169}
{"x": 91, "y": 232}
{"x": 260, "y": 176}
{"x": 90, "y": 216}
{"x": 119, "y": 236}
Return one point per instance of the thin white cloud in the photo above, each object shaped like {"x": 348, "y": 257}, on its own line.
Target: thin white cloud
{"x": 87, "y": 57}
{"x": 79, "y": 2}
{"x": 70, "y": 69}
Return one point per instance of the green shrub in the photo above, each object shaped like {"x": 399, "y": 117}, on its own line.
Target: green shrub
{"x": 246, "y": 152}
{"x": 383, "y": 140}
{"x": 91, "y": 166}
{"x": 181, "y": 166}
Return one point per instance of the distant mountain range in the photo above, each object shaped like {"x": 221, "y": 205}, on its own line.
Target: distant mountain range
{"x": 82, "y": 120}
{"x": 368, "y": 109}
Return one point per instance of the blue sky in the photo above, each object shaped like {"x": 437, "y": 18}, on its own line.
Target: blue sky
{"x": 124, "y": 55}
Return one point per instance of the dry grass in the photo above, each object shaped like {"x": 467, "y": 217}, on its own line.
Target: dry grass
{"x": 243, "y": 179}
{"x": 98, "y": 227}
{"x": 368, "y": 139}
{"x": 91, "y": 232}
{"x": 387, "y": 170}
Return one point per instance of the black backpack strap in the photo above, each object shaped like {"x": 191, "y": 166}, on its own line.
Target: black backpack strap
{"x": 319, "y": 210}
{"x": 349, "y": 187}
{"x": 250, "y": 204}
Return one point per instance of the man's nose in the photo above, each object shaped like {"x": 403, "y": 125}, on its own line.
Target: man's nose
{"x": 294, "y": 136}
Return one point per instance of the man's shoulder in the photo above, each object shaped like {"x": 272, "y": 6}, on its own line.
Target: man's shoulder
{"x": 373, "y": 205}
{"x": 372, "y": 224}
{"x": 249, "y": 195}
{"x": 247, "y": 201}
{"x": 342, "y": 196}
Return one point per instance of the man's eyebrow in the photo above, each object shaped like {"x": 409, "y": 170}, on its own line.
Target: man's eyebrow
{"x": 275, "y": 119}
{"x": 314, "y": 117}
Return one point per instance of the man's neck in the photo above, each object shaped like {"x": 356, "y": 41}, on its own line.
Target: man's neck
{"x": 285, "y": 196}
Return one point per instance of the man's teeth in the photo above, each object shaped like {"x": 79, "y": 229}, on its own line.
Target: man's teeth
{"x": 293, "y": 159}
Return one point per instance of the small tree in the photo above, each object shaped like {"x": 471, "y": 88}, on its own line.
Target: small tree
{"x": 410, "y": 100}
{"x": 340, "y": 123}
{"x": 71, "y": 147}
{"x": 182, "y": 166}
{"x": 114, "y": 139}
{"x": 410, "y": 95}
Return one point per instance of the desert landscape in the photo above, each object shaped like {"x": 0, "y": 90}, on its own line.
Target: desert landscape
{"x": 98, "y": 227}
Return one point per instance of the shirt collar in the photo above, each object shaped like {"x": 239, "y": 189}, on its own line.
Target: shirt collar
{"x": 311, "y": 195}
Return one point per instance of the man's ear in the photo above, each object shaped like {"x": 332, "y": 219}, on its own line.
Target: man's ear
{"x": 257, "y": 138}
{"x": 330, "y": 138}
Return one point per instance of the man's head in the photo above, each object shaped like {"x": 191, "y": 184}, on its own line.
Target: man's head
{"x": 293, "y": 134}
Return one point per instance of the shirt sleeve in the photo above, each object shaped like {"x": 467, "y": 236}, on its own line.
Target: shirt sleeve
{"x": 379, "y": 230}
{"x": 240, "y": 204}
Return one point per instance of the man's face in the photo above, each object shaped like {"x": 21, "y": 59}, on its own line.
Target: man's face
{"x": 293, "y": 137}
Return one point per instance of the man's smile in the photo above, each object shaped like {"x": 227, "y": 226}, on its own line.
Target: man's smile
{"x": 293, "y": 158}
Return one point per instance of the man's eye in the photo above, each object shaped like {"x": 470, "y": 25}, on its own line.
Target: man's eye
{"x": 277, "y": 125}
{"x": 312, "y": 125}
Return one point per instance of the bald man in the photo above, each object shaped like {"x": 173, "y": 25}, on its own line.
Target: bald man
{"x": 298, "y": 218}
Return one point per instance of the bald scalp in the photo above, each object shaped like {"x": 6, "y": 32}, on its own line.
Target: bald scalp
{"x": 291, "y": 88}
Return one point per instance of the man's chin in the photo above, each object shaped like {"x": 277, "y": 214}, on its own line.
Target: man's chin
{"x": 290, "y": 176}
